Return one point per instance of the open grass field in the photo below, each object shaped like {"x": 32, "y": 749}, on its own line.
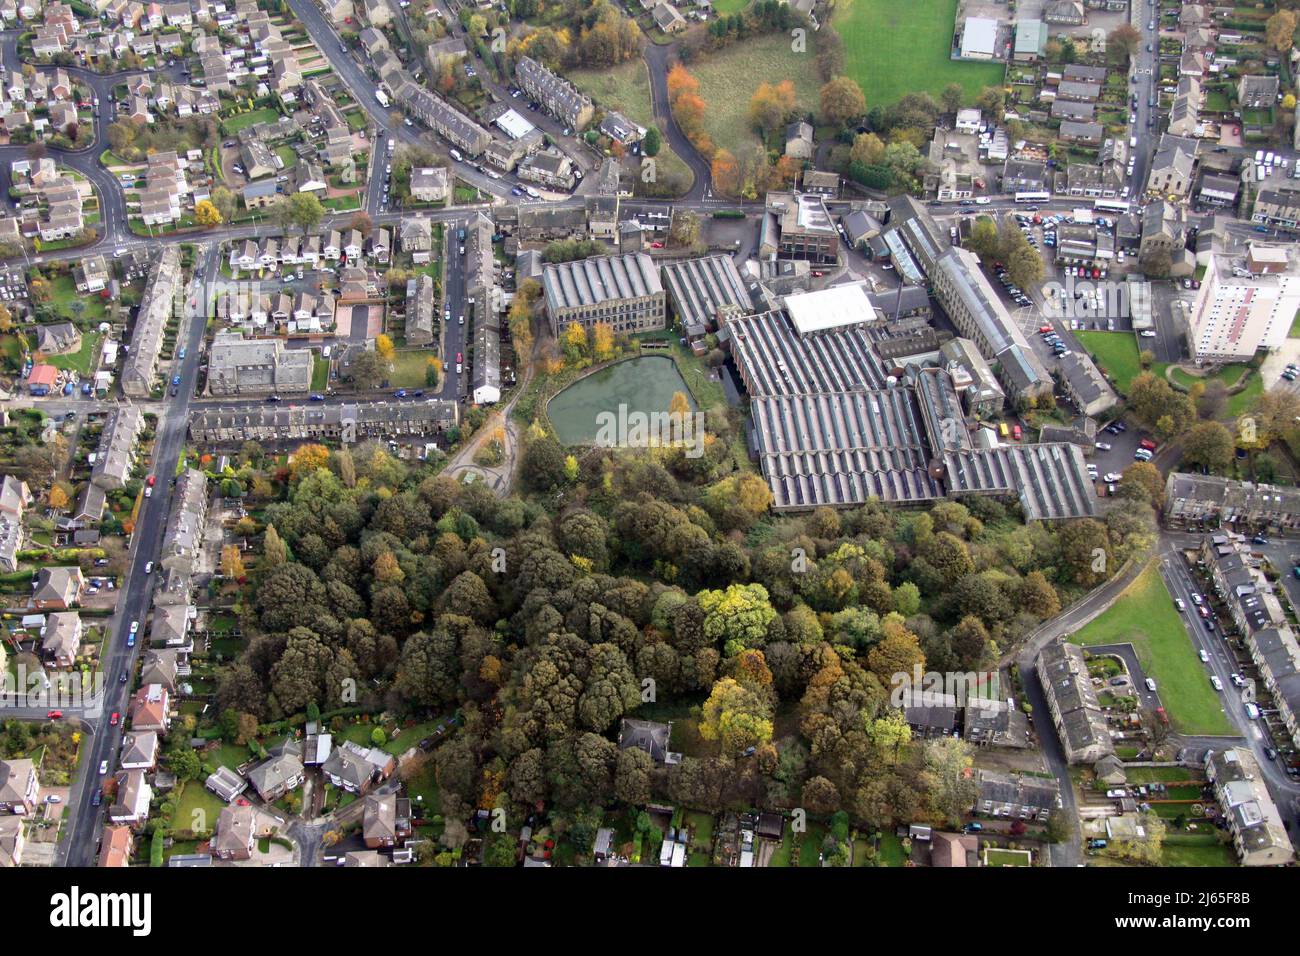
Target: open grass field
{"x": 1116, "y": 353}
{"x": 729, "y": 78}
{"x": 895, "y": 47}
{"x": 1145, "y": 617}
{"x": 410, "y": 368}
{"x": 726, "y": 8}
{"x": 233, "y": 125}
{"x": 626, "y": 89}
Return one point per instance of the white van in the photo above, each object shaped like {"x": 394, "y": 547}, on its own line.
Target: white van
{"x": 1151, "y": 685}
{"x": 1252, "y": 711}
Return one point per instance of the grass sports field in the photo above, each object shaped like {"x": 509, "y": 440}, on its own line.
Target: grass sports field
{"x": 1144, "y": 616}
{"x": 894, "y": 47}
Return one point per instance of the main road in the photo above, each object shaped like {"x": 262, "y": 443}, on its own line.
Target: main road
{"x": 117, "y": 663}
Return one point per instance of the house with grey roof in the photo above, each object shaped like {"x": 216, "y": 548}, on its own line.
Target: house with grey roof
{"x": 225, "y": 783}
{"x": 276, "y": 776}
{"x": 650, "y": 736}
{"x": 1080, "y": 721}
{"x": 557, "y": 95}
{"x": 115, "y": 457}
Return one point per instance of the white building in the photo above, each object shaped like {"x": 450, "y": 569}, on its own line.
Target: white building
{"x": 1245, "y": 303}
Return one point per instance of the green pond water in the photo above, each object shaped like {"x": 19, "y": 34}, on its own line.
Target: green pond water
{"x": 643, "y": 384}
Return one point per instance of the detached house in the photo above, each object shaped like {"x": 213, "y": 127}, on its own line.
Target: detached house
{"x": 356, "y": 769}
{"x": 58, "y": 588}
{"x": 236, "y": 830}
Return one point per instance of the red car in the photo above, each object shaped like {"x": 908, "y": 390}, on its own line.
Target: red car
{"x": 458, "y": 358}
{"x": 656, "y": 245}
{"x": 112, "y": 721}
{"x": 1015, "y": 432}
{"x": 1148, "y": 444}
{"x": 54, "y": 715}
{"x": 1044, "y": 329}
{"x": 150, "y": 480}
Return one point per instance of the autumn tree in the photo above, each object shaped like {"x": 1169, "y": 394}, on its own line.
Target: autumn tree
{"x": 274, "y": 551}
{"x": 206, "y": 213}
{"x": 602, "y": 341}
{"x": 771, "y": 105}
{"x": 1279, "y": 30}
{"x": 1208, "y": 444}
{"x": 725, "y": 172}
{"x": 232, "y": 563}
{"x": 736, "y": 717}
{"x": 308, "y": 458}
{"x": 842, "y": 101}
{"x": 384, "y": 348}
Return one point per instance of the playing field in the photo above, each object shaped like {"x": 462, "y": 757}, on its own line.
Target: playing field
{"x": 1144, "y": 616}
{"x": 893, "y": 47}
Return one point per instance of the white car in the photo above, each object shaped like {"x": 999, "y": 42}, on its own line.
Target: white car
{"x": 103, "y": 767}
{"x": 1216, "y": 683}
{"x": 135, "y": 627}
{"x": 1179, "y": 603}
{"x": 1112, "y": 476}
{"x": 1147, "y": 334}
{"x": 148, "y": 567}
{"x": 1204, "y": 655}
{"x": 1102, "y": 446}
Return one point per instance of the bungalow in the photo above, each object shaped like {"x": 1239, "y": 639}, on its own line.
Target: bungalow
{"x": 225, "y": 783}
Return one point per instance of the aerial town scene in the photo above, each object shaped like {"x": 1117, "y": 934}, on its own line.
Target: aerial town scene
{"x": 649, "y": 433}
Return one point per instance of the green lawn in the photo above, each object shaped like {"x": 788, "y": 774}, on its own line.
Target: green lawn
{"x": 198, "y": 808}
{"x": 729, "y": 78}
{"x": 810, "y": 847}
{"x": 1145, "y": 616}
{"x": 1192, "y": 849}
{"x": 1116, "y": 353}
{"x": 233, "y": 125}
{"x": 995, "y": 857}
{"x": 409, "y": 366}
{"x": 83, "y": 360}
{"x": 1241, "y": 401}
{"x": 320, "y": 373}
{"x": 894, "y": 47}
{"x": 725, "y": 8}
